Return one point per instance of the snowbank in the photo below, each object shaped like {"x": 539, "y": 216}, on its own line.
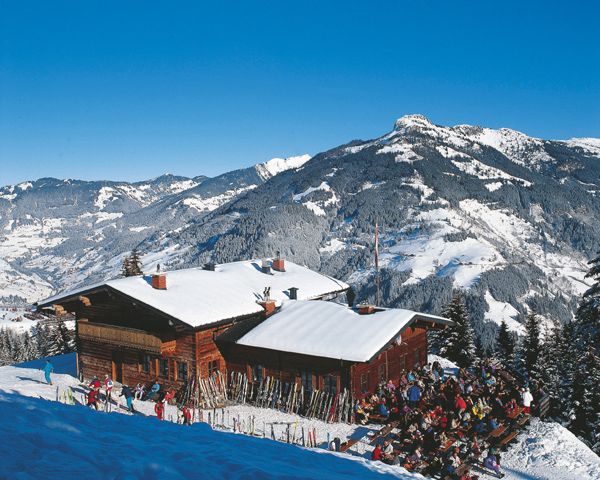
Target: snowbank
{"x": 73, "y": 441}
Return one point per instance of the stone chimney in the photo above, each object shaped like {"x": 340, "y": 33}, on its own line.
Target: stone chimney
{"x": 159, "y": 281}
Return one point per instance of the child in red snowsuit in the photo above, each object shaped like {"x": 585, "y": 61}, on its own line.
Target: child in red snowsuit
{"x": 159, "y": 408}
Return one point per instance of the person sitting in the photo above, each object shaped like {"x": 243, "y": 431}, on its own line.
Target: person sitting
{"x": 383, "y": 410}
{"x": 492, "y": 463}
{"x": 153, "y": 391}
{"x": 376, "y": 455}
{"x": 452, "y": 463}
{"x": 140, "y": 390}
{"x": 169, "y": 396}
{"x": 387, "y": 452}
{"x": 360, "y": 415}
{"x": 492, "y": 424}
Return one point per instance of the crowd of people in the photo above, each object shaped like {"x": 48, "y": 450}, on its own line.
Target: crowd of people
{"x": 444, "y": 420}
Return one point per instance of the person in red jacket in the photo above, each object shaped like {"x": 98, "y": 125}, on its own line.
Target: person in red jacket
{"x": 159, "y": 408}
{"x": 460, "y": 405}
{"x": 93, "y": 399}
{"x": 376, "y": 455}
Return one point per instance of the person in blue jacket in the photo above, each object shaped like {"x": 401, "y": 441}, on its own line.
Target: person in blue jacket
{"x": 154, "y": 390}
{"x": 48, "y": 369}
{"x": 383, "y": 410}
{"x": 414, "y": 394}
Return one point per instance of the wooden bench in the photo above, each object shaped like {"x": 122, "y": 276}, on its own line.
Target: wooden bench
{"x": 506, "y": 440}
{"x": 377, "y": 419}
{"x": 348, "y": 444}
{"x": 384, "y": 431}
{"x": 463, "y": 468}
{"x": 523, "y": 421}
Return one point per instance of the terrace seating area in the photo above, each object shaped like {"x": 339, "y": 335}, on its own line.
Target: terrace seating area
{"x": 447, "y": 426}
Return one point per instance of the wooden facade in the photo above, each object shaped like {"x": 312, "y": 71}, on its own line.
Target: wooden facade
{"x": 133, "y": 344}
{"x": 325, "y": 373}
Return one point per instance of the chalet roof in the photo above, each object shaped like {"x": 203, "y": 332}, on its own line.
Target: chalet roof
{"x": 198, "y": 297}
{"x": 332, "y": 330}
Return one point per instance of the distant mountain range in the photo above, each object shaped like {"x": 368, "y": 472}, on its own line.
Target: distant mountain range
{"x": 55, "y": 234}
{"x": 509, "y": 218}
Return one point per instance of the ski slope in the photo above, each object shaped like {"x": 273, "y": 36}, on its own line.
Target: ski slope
{"x": 43, "y": 437}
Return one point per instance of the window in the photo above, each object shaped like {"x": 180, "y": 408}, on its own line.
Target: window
{"x": 330, "y": 384}
{"x": 257, "y": 373}
{"x": 145, "y": 363}
{"x": 213, "y": 368}
{"x": 306, "y": 381}
{"x": 402, "y": 363}
{"x": 364, "y": 387}
{"x": 417, "y": 357}
{"x": 382, "y": 373}
{"x": 163, "y": 367}
{"x": 182, "y": 371}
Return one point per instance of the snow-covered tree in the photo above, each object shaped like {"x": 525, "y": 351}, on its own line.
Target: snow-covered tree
{"x": 459, "y": 345}
{"x": 135, "y": 263}
{"x": 505, "y": 346}
{"x": 132, "y": 265}
{"x": 531, "y": 343}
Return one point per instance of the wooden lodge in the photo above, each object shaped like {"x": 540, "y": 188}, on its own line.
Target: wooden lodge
{"x": 252, "y": 317}
{"x": 328, "y": 346}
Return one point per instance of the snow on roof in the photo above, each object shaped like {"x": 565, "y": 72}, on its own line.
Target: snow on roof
{"x": 328, "y": 329}
{"x": 200, "y": 297}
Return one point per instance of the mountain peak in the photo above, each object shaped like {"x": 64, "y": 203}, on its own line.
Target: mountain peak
{"x": 415, "y": 120}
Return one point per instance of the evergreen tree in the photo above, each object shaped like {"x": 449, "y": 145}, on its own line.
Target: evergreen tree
{"x": 588, "y": 314}
{"x": 135, "y": 263}
{"x": 126, "y": 268}
{"x": 459, "y": 345}
{"x": 505, "y": 347}
{"x": 584, "y": 400}
{"x": 531, "y": 343}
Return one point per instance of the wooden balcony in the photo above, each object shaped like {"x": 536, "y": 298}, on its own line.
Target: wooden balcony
{"x": 127, "y": 337}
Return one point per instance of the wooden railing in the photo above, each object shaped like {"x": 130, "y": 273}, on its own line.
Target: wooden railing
{"x": 128, "y": 337}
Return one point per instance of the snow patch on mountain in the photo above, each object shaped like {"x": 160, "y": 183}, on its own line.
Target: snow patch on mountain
{"x": 274, "y": 166}
{"x": 503, "y": 312}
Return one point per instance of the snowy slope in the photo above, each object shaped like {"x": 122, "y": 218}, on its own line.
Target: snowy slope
{"x": 78, "y": 442}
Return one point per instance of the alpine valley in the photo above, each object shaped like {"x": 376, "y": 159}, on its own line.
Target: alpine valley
{"x": 509, "y": 219}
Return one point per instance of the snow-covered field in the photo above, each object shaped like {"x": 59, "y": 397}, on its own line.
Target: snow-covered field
{"x": 43, "y": 437}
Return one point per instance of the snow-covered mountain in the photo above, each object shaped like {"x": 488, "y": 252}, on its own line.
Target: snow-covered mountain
{"x": 58, "y": 233}
{"x": 509, "y": 218}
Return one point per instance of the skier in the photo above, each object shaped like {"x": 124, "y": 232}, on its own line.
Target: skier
{"x": 126, "y": 392}
{"x": 48, "y": 369}
{"x": 108, "y": 383}
{"x": 159, "y": 408}
{"x": 527, "y": 399}
{"x": 93, "y": 399}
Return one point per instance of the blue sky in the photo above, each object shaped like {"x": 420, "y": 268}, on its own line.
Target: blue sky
{"x": 132, "y": 90}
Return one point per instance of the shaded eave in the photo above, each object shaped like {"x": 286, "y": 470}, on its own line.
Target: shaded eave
{"x": 418, "y": 321}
